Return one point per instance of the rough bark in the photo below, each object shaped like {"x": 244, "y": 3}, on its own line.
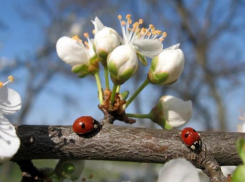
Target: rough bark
{"x": 119, "y": 144}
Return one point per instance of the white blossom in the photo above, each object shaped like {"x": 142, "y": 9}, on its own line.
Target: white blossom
{"x": 10, "y": 102}
{"x": 171, "y": 112}
{"x": 167, "y": 67}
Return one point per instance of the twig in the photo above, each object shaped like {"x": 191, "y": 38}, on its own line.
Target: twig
{"x": 29, "y": 171}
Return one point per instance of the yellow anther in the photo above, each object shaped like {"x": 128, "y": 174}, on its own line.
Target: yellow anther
{"x": 158, "y": 32}
{"x": 86, "y": 44}
{"x": 161, "y": 39}
{"x": 11, "y": 78}
{"x": 151, "y": 25}
{"x": 1, "y": 84}
{"x": 93, "y": 31}
{"x": 140, "y": 21}
{"x": 129, "y": 21}
{"x": 119, "y": 17}
{"x": 136, "y": 24}
{"x": 128, "y": 16}
{"x": 76, "y": 38}
{"x": 123, "y": 23}
{"x": 86, "y": 35}
{"x": 164, "y": 34}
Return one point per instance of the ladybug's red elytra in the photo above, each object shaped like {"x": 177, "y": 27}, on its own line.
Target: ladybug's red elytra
{"x": 84, "y": 125}
{"x": 191, "y": 138}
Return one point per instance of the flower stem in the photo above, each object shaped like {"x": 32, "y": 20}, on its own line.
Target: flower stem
{"x": 139, "y": 115}
{"x": 142, "y": 86}
{"x": 113, "y": 93}
{"x": 97, "y": 78}
{"x": 118, "y": 88}
{"x": 106, "y": 77}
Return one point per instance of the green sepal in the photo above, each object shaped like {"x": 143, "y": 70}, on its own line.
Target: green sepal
{"x": 240, "y": 146}
{"x": 239, "y": 174}
{"x": 157, "y": 78}
{"x": 142, "y": 59}
{"x": 103, "y": 57}
{"x": 94, "y": 64}
{"x": 124, "y": 95}
{"x": 157, "y": 116}
{"x": 112, "y": 67}
{"x": 126, "y": 74}
{"x": 80, "y": 68}
{"x": 120, "y": 79}
{"x": 154, "y": 62}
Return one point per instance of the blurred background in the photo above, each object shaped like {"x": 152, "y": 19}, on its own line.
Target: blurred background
{"x": 212, "y": 37}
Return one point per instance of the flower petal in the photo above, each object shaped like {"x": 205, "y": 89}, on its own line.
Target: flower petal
{"x": 9, "y": 141}
{"x": 178, "y": 170}
{"x": 148, "y": 47}
{"x": 176, "y": 111}
{"x": 10, "y": 101}
{"x": 72, "y": 51}
{"x": 173, "y": 47}
{"x": 98, "y": 25}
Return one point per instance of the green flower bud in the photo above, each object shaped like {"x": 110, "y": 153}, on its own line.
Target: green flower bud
{"x": 171, "y": 112}
{"x": 83, "y": 59}
{"x": 122, "y": 64}
{"x": 167, "y": 67}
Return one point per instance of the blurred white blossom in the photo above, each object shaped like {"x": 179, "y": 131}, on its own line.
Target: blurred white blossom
{"x": 10, "y": 102}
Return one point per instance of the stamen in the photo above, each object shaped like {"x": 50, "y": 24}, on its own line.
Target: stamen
{"x": 164, "y": 34}
{"x": 119, "y": 17}
{"x": 136, "y": 24}
{"x": 86, "y": 35}
{"x": 151, "y": 25}
{"x": 161, "y": 39}
{"x": 76, "y": 37}
{"x": 93, "y": 31}
{"x": 140, "y": 21}
{"x": 158, "y": 32}
{"x": 86, "y": 44}
{"x": 11, "y": 78}
{"x": 128, "y": 16}
{"x": 123, "y": 23}
{"x": 129, "y": 21}
{"x": 1, "y": 84}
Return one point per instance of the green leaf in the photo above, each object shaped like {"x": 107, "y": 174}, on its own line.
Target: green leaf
{"x": 240, "y": 146}
{"x": 239, "y": 174}
{"x": 124, "y": 95}
{"x": 142, "y": 59}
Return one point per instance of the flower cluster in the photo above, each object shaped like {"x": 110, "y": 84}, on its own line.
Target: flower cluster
{"x": 119, "y": 56}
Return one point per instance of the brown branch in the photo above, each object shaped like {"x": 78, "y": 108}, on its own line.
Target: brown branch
{"x": 119, "y": 144}
{"x": 29, "y": 171}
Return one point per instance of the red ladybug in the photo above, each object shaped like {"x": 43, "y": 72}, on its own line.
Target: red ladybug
{"x": 84, "y": 125}
{"x": 191, "y": 138}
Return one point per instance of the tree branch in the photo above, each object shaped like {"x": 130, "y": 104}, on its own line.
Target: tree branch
{"x": 119, "y": 144}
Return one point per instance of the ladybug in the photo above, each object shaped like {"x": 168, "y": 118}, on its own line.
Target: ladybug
{"x": 191, "y": 138}
{"x": 85, "y": 125}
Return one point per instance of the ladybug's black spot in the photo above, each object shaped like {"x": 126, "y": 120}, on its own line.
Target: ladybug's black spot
{"x": 83, "y": 125}
{"x": 186, "y": 135}
{"x": 194, "y": 130}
